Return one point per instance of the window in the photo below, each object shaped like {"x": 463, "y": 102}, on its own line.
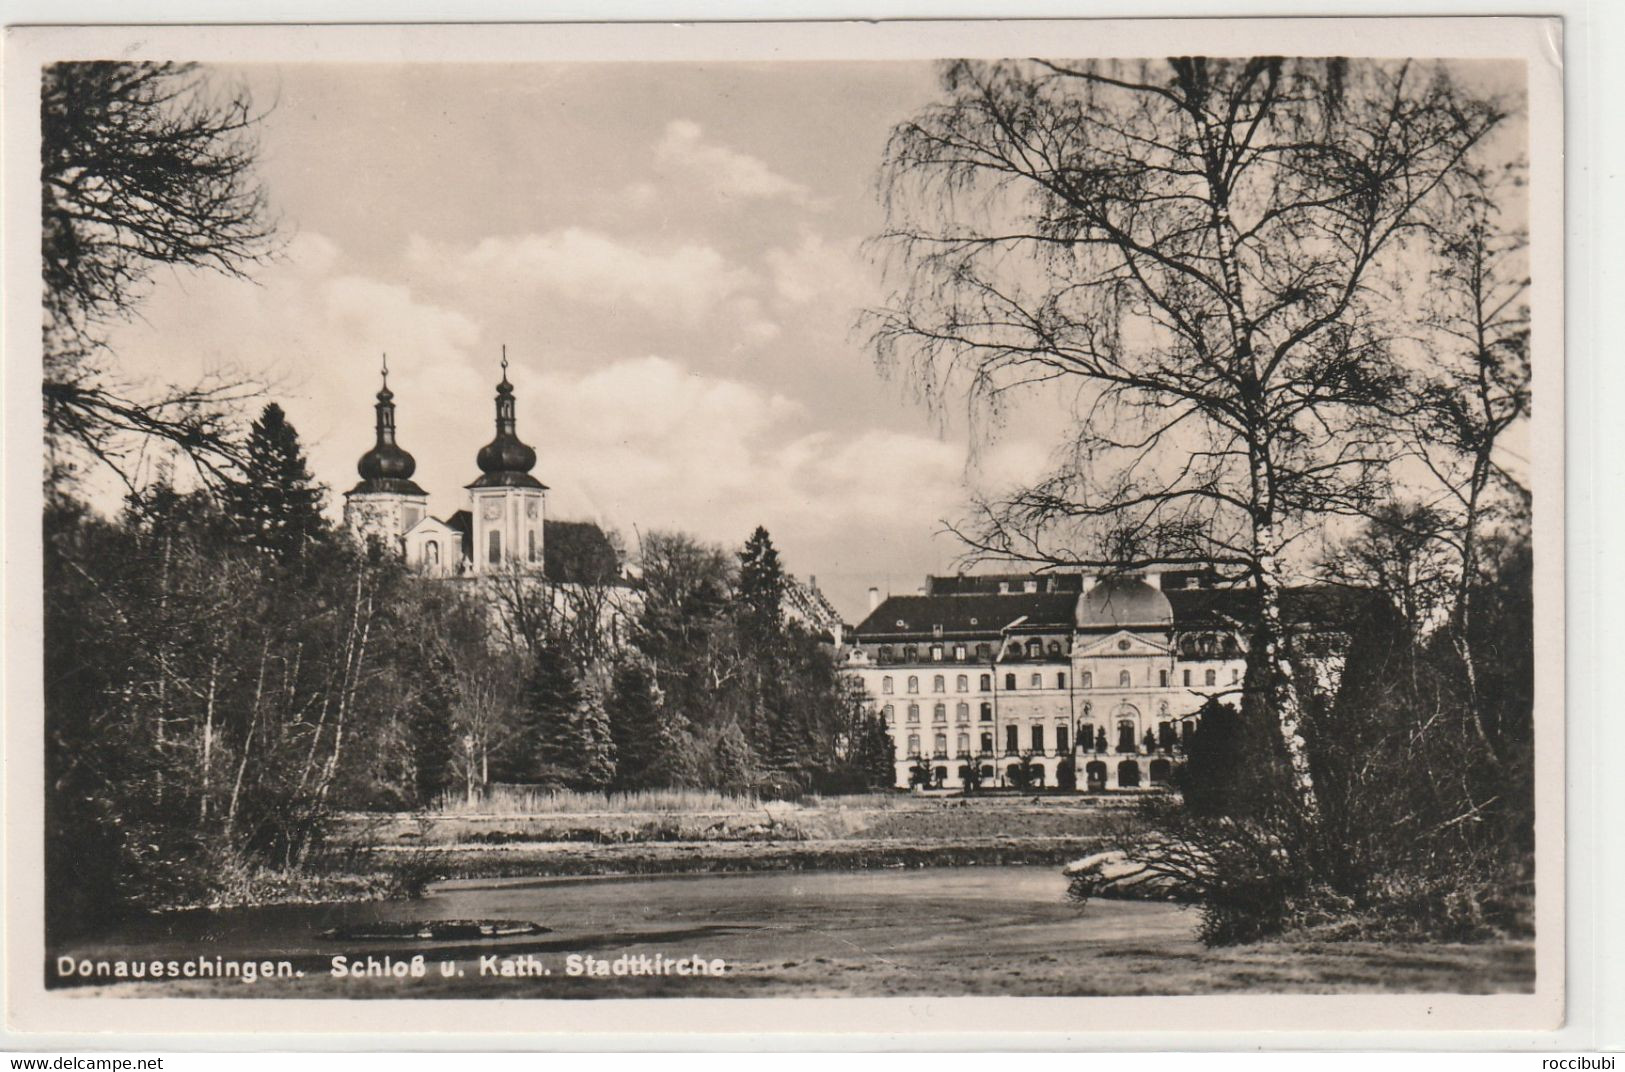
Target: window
{"x": 431, "y": 553}
{"x": 1012, "y": 740}
{"x": 1010, "y": 682}
{"x": 936, "y": 653}
{"x": 939, "y": 684}
{"x": 983, "y": 652}
{"x": 889, "y": 714}
{"x": 911, "y": 653}
{"x": 1123, "y": 679}
{"x": 885, "y": 653}
{"x": 413, "y": 516}
{"x": 885, "y": 685}
{"x": 1029, "y": 586}
{"x": 1165, "y": 736}
{"x": 959, "y": 653}
{"x": 1060, "y": 681}
{"x": 985, "y": 683}
{"x": 494, "y": 548}
{"x": 1060, "y": 739}
{"x": 913, "y": 684}
{"x": 530, "y": 550}
{"x": 987, "y": 743}
{"x": 913, "y": 744}
{"x": 1036, "y": 681}
{"x": 963, "y": 743}
{"x": 1187, "y": 678}
{"x": 1125, "y": 737}
{"x": 939, "y": 713}
{"x": 914, "y": 712}
{"x": 1054, "y": 648}
{"x": 1035, "y": 649}
{"x": 1210, "y": 678}
{"x": 1086, "y": 736}
{"x": 987, "y": 712}
{"x": 1038, "y": 738}
{"x": 962, "y": 683}
{"x": 1088, "y": 680}
{"x": 936, "y": 630}
{"x": 962, "y": 712}
{"x": 1162, "y": 678}
{"x": 939, "y": 744}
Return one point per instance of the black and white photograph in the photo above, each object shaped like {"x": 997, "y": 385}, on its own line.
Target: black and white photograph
{"x": 660, "y": 522}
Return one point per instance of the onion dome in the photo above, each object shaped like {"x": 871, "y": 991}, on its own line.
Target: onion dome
{"x": 1121, "y": 602}
{"x": 386, "y": 467}
{"x": 506, "y": 461}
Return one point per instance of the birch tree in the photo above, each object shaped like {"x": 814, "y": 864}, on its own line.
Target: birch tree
{"x": 1202, "y": 259}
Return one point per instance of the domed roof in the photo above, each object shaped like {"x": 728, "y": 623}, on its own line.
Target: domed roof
{"x": 506, "y": 461}
{"x": 386, "y": 467}
{"x": 1120, "y": 602}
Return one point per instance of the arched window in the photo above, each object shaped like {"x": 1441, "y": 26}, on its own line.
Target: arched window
{"x": 913, "y": 684}
{"x": 911, "y": 653}
{"x": 1036, "y": 681}
{"x": 1035, "y": 648}
{"x": 962, "y": 712}
{"x": 939, "y": 744}
{"x": 1088, "y": 680}
{"x": 939, "y": 684}
{"x": 531, "y": 548}
{"x": 1086, "y": 736}
{"x": 939, "y": 713}
{"x": 1060, "y": 740}
{"x": 1124, "y": 680}
{"x": 963, "y": 741}
{"x": 914, "y": 712}
{"x": 1210, "y": 678}
{"x": 987, "y": 744}
{"x": 984, "y": 652}
{"x": 986, "y": 683}
{"x": 885, "y": 685}
{"x": 913, "y": 744}
{"x": 885, "y": 653}
{"x": 1010, "y": 682}
{"x": 962, "y": 683}
{"x": 494, "y": 548}
{"x": 1128, "y": 774}
{"x": 1054, "y": 647}
{"x": 987, "y": 712}
{"x": 889, "y": 714}
{"x": 431, "y": 553}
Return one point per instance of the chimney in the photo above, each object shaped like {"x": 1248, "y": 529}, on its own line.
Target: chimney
{"x": 874, "y": 599}
{"x": 812, "y": 581}
{"x": 840, "y": 633}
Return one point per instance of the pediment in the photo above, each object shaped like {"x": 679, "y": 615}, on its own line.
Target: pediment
{"x": 1121, "y": 645}
{"x": 432, "y": 526}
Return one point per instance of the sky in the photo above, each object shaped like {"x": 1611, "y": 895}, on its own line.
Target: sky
{"x": 672, "y": 255}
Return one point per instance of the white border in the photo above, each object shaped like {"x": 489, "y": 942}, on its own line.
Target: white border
{"x": 875, "y": 1019}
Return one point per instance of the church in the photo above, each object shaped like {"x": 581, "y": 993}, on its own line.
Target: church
{"x": 1008, "y": 679}
{"x": 506, "y": 525}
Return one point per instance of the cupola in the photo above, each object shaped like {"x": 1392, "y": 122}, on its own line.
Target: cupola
{"x": 386, "y": 467}
{"x": 506, "y": 461}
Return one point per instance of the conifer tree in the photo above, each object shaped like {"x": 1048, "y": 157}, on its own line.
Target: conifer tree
{"x": 566, "y": 739}
{"x": 761, "y": 593}
{"x": 277, "y": 506}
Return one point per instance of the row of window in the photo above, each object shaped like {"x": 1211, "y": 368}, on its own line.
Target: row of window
{"x": 1168, "y": 735}
{"x": 910, "y": 653}
{"x": 1125, "y": 680}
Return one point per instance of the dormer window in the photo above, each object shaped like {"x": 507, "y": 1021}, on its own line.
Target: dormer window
{"x": 936, "y": 630}
{"x": 1029, "y": 586}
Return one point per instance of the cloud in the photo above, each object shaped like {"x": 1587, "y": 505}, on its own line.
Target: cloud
{"x": 684, "y": 283}
{"x": 727, "y": 173}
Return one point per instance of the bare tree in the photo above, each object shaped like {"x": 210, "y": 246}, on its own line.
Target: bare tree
{"x": 1200, "y": 256}
{"x": 141, "y": 165}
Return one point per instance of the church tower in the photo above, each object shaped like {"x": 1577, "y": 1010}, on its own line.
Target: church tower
{"x": 508, "y": 503}
{"x": 386, "y": 503}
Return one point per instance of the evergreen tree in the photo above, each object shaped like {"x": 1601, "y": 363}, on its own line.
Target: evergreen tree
{"x": 432, "y": 732}
{"x": 277, "y": 506}
{"x": 565, "y": 738}
{"x": 649, "y": 737}
{"x": 761, "y": 593}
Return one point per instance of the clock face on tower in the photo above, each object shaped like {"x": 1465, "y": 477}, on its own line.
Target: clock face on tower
{"x": 493, "y": 510}
{"x": 531, "y": 508}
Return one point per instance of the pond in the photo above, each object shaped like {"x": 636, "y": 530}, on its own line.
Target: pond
{"x": 942, "y": 931}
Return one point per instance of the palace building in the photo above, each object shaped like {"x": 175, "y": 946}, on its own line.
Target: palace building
{"x": 1000, "y": 679}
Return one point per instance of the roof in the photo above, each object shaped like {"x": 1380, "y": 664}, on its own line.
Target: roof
{"x": 967, "y": 614}
{"x": 1123, "y": 602}
{"x": 386, "y": 486}
{"x": 578, "y": 552}
{"x": 508, "y": 480}
{"x": 1115, "y": 603}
